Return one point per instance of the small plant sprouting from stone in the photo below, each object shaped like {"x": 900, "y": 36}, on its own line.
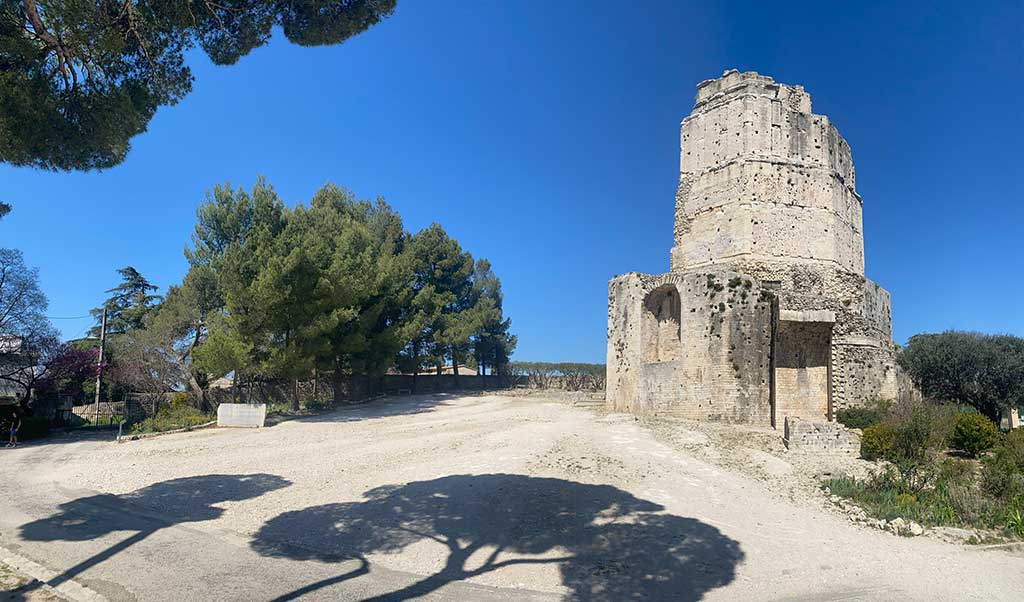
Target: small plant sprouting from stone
{"x": 721, "y": 307}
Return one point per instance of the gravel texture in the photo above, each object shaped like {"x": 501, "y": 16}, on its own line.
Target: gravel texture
{"x": 524, "y": 497}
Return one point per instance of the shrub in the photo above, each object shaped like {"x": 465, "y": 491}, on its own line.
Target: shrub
{"x": 317, "y": 404}
{"x": 171, "y": 417}
{"x": 1002, "y": 473}
{"x": 920, "y": 428}
{"x": 877, "y": 442}
{"x": 180, "y": 398}
{"x": 862, "y": 417}
{"x": 973, "y": 434}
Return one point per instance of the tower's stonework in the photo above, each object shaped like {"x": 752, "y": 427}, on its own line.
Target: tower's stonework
{"x": 766, "y": 312}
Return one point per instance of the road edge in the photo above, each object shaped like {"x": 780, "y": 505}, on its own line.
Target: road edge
{"x": 68, "y": 589}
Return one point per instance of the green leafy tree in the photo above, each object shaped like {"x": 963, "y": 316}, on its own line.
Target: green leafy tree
{"x": 335, "y": 288}
{"x": 128, "y": 306}
{"x": 180, "y": 326}
{"x": 983, "y": 371}
{"x": 79, "y": 79}
{"x": 290, "y": 299}
{"x": 234, "y": 230}
{"x": 361, "y": 248}
{"x": 491, "y": 341}
{"x": 441, "y": 264}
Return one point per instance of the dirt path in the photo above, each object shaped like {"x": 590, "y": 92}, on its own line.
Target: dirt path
{"x": 456, "y": 498}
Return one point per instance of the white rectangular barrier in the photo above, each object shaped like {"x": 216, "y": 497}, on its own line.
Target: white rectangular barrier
{"x": 246, "y": 415}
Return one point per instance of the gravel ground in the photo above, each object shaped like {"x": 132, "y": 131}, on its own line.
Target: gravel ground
{"x": 522, "y": 497}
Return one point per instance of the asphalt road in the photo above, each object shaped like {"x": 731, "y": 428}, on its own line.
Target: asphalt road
{"x": 446, "y": 498}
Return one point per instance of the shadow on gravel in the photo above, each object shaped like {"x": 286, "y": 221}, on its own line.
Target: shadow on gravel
{"x": 608, "y": 544}
{"x": 144, "y": 511}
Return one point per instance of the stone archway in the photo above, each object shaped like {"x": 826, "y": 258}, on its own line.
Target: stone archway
{"x": 660, "y": 328}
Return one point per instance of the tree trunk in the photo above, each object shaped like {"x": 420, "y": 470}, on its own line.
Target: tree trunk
{"x": 415, "y": 363}
{"x": 193, "y": 383}
{"x": 295, "y": 395}
{"x": 336, "y": 381}
{"x": 455, "y": 370}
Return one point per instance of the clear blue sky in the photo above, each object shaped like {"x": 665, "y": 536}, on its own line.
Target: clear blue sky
{"x": 544, "y": 135}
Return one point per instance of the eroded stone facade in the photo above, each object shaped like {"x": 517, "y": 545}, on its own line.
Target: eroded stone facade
{"x": 766, "y": 312}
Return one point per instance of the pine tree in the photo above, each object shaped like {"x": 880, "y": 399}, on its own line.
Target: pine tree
{"x": 128, "y": 306}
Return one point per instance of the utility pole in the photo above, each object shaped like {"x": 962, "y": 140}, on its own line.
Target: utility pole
{"x": 99, "y": 364}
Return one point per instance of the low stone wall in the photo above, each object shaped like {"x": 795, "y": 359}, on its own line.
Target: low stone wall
{"x": 820, "y": 437}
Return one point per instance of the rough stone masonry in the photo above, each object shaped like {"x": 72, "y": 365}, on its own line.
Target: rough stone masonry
{"x": 766, "y": 313}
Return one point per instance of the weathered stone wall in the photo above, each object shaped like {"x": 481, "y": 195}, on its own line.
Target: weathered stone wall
{"x": 819, "y": 437}
{"x": 722, "y": 370}
{"x": 802, "y": 355}
{"x": 863, "y": 356}
{"x": 766, "y": 203}
{"x": 761, "y": 177}
{"x": 625, "y": 347}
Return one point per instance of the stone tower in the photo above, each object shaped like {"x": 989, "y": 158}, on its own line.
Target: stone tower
{"x": 766, "y": 312}
{"x": 762, "y": 178}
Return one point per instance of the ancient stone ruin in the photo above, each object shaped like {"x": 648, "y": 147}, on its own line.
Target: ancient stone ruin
{"x": 766, "y": 312}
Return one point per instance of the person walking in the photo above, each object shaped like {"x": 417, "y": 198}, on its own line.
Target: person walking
{"x": 15, "y": 425}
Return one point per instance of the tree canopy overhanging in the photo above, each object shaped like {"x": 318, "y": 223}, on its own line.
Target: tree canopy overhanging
{"x": 80, "y": 78}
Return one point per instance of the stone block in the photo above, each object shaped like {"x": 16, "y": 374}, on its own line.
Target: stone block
{"x": 243, "y": 415}
{"x": 819, "y": 437}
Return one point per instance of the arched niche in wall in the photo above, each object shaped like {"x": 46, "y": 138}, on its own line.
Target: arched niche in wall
{"x": 660, "y": 325}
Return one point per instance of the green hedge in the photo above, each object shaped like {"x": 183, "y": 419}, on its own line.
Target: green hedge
{"x": 861, "y": 417}
{"x": 877, "y": 442}
{"x": 973, "y": 434}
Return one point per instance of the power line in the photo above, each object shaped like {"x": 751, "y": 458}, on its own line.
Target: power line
{"x": 68, "y": 317}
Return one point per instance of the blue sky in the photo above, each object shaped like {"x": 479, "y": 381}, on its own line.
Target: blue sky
{"x": 544, "y": 136}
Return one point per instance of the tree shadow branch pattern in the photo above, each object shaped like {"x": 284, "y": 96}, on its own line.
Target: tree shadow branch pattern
{"x": 178, "y": 501}
{"x": 608, "y": 544}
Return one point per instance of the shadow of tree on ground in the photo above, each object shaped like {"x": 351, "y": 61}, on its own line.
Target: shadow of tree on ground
{"x": 172, "y": 502}
{"x": 608, "y": 544}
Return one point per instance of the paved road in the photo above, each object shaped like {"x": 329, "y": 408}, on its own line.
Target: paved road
{"x": 447, "y": 498}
